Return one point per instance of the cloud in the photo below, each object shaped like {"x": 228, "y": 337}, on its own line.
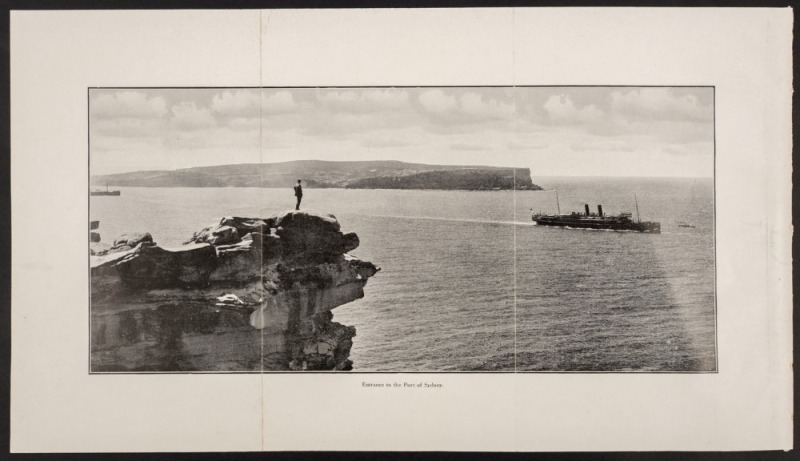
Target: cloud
{"x": 128, "y": 104}
{"x": 187, "y": 116}
{"x": 241, "y": 103}
{"x": 560, "y": 127}
{"x": 469, "y": 107}
{"x": 474, "y": 105}
{"x": 372, "y": 100}
{"x": 238, "y": 106}
{"x": 659, "y": 104}
{"x": 560, "y": 109}
{"x": 329, "y": 124}
{"x": 280, "y": 102}
{"x": 437, "y": 103}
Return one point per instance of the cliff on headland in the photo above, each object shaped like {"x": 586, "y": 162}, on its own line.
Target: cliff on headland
{"x": 286, "y": 273}
{"x": 325, "y": 174}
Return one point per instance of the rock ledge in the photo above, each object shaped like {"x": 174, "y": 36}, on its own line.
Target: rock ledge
{"x": 289, "y": 270}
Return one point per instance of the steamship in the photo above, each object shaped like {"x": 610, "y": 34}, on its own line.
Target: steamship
{"x": 105, "y": 192}
{"x": 599, "y": 220}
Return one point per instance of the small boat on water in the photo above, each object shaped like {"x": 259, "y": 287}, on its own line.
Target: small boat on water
{"x": 685, "y": 224}
{"x": 599, "y": 220}
{"x": 105, "y": 192}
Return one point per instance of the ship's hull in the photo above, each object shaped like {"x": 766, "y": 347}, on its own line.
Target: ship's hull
{"x": 646, "y": 227}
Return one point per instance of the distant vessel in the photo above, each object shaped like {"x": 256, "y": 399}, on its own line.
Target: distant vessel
{"x": 104, "y": 192}
{"x": 588, "y": 220}
{"x": 685, "y": 224}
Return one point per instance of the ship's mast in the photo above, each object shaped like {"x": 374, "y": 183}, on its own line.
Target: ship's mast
{"x": 637, "y": 208}
{"x": 558, "y": 206}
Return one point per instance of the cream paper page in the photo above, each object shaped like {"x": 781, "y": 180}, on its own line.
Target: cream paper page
{"x": 745, "y": 55}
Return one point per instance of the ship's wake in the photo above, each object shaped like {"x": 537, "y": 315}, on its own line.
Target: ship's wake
{"x": 436, "y": 218}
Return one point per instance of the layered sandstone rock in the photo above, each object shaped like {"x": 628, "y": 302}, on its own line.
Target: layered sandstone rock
{"x": 285, "y": 272}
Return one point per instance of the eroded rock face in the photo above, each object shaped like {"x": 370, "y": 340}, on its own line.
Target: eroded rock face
{"x": 310, "y": 237}
{"x": 284, "y": 274}
{"x": 132, "y": 239}
{"x": 245, "y": 226}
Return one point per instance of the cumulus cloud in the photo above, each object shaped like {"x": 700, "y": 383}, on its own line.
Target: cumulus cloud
{"x": 187, "y": 116}
{"x": 438, "y": 103}
{"x": 240, "y": 103}
{"x": 372, "y": 100}
{"x": 252, "y": 103}
{"x": 659, "y": 104}
{"x": 615, "y": 124}
{"x": 469, "y": 108}
{"x": 280, "y": 102}
{"x": 128, "y": 104}
{"x": 474, "y": 104}
{"x": 560, "y": 109}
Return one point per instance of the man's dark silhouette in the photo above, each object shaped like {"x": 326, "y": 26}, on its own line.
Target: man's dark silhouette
{"x": 298, "y": 192}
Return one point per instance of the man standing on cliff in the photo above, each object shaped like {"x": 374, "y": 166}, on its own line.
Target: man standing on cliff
{"x": 298, "y": 192}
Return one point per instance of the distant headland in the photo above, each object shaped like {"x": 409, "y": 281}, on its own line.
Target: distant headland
{"x": 385, "y": 174}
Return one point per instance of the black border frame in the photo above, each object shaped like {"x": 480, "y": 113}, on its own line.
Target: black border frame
{"x": 269, "y": 372}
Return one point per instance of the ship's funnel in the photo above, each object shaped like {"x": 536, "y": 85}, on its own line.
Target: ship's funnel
{"x": 587, "y": 208}
{"x": 600, "y": 210}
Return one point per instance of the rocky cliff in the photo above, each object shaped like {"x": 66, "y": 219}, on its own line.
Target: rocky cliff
{"x": 284, "y": 273}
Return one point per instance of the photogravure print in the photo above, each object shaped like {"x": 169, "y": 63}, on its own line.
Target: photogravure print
{"x": 402, "y": 229}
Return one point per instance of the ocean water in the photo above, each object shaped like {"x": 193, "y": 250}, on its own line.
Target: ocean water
{"x": 469, "y": 283}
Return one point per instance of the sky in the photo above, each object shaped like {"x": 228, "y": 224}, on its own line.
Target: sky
{"x": 554, "y": 131}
